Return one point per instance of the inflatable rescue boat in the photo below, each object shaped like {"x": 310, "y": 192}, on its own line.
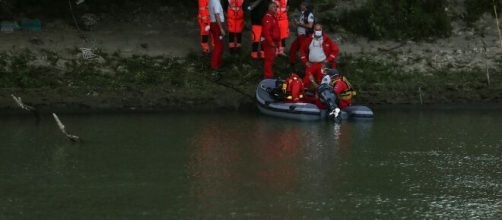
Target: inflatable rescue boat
{"x": 300, "y": 111}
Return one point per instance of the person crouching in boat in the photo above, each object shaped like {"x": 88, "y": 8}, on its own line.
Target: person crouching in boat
{"x": 336, "y": 91}
{"x": 292, "y": 87}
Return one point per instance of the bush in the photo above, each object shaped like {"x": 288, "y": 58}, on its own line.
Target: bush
{"x": 396, "y": 19}
{"x": 476, "y": 8}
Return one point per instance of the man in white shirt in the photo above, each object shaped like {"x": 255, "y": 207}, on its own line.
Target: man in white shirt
{"x": 217, "y": 18}
{"x": 304, "y": 24}
{"x": 317, "y": 50}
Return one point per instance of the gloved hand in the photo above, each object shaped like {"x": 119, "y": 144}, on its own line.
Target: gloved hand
{"x": 336, "y": 114}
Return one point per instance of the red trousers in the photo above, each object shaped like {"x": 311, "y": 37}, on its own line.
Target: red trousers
{"x": 316, "y": 70}
{"x": 270, "y": 53}
{"x": 218, "y": 46}
{"x": 295, "y": 47}
{"x": 202, "y": 24}
{"x": 284, "y": 29}
{"x": 204, "y": 35}
{"x": 256, "y": 33}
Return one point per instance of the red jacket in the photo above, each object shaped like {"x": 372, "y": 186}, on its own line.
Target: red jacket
{"x": 204, "y": 10}
{"x": 235, "y": 11}
{"x": 282, "y": 9}
{"x": 294, "y": 87}
{"x": 338, "y": 88}
{"x": 270, "y": 27}
{"x": 328, "y": 46}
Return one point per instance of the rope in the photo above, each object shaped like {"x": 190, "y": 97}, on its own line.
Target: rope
{"x": 229, "y": 86}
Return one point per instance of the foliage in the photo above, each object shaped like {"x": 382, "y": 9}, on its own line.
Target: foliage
{"x": 386, "y": 83}
{"x": 475, "y": 8}
{"x": 395, "y": 19}
{"x": 60, "y": 9}
{"x": 375, "y": 81}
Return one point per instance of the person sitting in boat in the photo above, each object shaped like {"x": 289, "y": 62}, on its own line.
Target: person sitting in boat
{"x": 292, "y": 87}
{"x": 336, "y": 91}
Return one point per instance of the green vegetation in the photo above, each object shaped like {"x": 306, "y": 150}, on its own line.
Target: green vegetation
{"x": 61, "y": 10}
{"x": 395, "y": 19}
{"x": 475, "y": 8}
{"x": 159, "y": 81}
{"x": 376, "y": 19}
{"x": 387, "y": 83}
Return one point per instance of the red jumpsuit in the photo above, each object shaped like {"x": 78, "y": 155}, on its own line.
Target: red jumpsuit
{"x": 272, "y": 36}
{"x": 235, "y": 22}
{"x": 317, "y": 69}
{"x": 204, "y": 23}
{"x": 257, "y": 14}
{"x": 294, "y": 88}
{"x": 282, "y": 18}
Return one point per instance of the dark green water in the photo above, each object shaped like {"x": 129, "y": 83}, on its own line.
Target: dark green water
{"x": 432, "y": 164}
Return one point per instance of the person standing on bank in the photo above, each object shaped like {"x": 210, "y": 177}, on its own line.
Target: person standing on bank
{"x": 258, "y": 8}
{"x": 317, "y": 52}
{"x": 304, "y": 28}
{"x": 282, "y": 18}
{"x": 271, "y": 39}
{"x": 235, "y": 24}
{"x": 217, "y": 32}
{"x": 204, "y": 22}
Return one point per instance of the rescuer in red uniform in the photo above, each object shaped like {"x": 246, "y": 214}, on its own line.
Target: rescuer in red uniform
{"x": 258, "y": 8}
{"x": 293, "y": 88}
{"x": 272, "y": 36}
{"x": 317, "y": 51}
{"x": 204, "y": 22}
{"x": 282, "y": 18}
{"x": 217, "y": 32}
{"x": 235, "y": 24}
{"x": 336, "y": 91}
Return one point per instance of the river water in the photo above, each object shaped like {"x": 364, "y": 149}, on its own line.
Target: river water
{"x": 433, "y": 164}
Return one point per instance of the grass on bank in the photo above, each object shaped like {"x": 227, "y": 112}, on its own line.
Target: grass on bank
{"x": 191, "y": 77}
{"x": 404, "y": 19}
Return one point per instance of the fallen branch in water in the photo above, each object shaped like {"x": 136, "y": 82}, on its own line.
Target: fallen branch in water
{"x": 20, "y": 103}
{"x": 23, "y": 106}
{"x": 61, "y": 126}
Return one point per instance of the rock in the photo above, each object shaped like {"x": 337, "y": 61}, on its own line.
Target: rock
{"x": 89, "y": 20}
{"x": 122, "y": 69}
{"x": 39, "y": 61}
{"x": 61, "y": 64}
{"x": 36, "y": 41}
{"x": 100, "y": 60}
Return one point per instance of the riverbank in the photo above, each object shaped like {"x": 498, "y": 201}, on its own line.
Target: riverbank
{"x": 146, "y": 83}
{"x": 142, "y": 65}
